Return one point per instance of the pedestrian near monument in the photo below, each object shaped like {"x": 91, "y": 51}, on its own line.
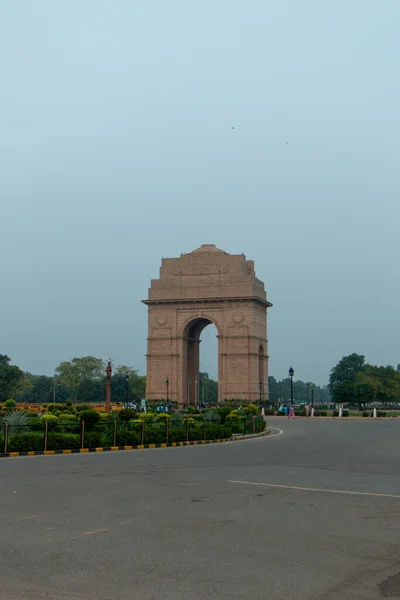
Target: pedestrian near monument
{"x": 291, "y": 412}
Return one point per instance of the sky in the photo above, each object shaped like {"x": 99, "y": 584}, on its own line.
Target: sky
{"x": 132, "y": 131}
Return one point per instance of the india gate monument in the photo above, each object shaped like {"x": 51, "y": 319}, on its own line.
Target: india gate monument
{"x": 207, "y": 286}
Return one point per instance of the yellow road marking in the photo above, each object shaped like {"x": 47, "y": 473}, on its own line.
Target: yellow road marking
{"x": 306, "y": 489}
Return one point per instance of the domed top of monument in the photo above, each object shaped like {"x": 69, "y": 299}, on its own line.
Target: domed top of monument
{"x": 209, "y": 248}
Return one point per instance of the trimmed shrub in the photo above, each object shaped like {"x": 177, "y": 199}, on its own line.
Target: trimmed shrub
{"x": 126, "y": 414}
{"x": 95, "y": 439}
{"x": 105, "y": 416}
{"x": 90, "y": 416}
{"x": 56, "y": 441}
{"x": 223, "y": 412}
{"x": 49, "y": 418}
{"x": 82, "y": 407}
{"x": 366, "y": 413}
{"x": 251, "y": 409}
{"x": 10, "y": 403}
{"x": 163, "y": 417}
{"x": 346, "y": 413}
{"x": 25, "y": 442}
{"x": 35, "y": 423}
{"x": 67, "y": 417}
{"x": 148, "y": 417}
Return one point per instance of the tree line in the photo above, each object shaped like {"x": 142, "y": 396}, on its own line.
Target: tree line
{"x": 83, "y": 380}
{"x": 80, "y": 380}
{"x": 353, "y": 381}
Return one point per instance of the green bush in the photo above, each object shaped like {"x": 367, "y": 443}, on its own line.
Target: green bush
{"x": 346, "y": 413}
{"x": 67, "y": 417}
{"x": 148, "y": 417}
{"x": 94, "y": 439}
{"x": 26, "y": 442}
{"x": 162, "y": 417}
{"x": 10, "y": 403}
{"x": 126, "y": 414}
{"x": 49, "y": 418}
{"x": 90, "y": 416}
{"x": 58, "y": 441}
{"x": 251, "y": 409}
{"x": 82, "y": 407}
{"x": 223, "y": 412}
{"x": 35, "y": 424}
{"x": 105, "y": 416}
{"x": 366, "y": 413}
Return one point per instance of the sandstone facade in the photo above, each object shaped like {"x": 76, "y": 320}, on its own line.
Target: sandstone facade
{"x": 207, "y": 286}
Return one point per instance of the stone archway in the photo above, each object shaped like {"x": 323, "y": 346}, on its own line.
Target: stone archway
{"x": 207, "y": 286}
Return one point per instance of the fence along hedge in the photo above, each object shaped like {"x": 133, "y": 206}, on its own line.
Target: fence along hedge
{"x": 130, "y": 434}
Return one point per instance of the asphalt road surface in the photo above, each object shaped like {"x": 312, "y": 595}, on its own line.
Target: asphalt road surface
{"x": 313, "y": 513}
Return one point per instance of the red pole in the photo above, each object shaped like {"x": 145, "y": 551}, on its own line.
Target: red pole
{"x": 108, "y": 387}
{"x": 6, "y": 438}
{"x": 83, "y": 433}
{"x": 46, "y": 430}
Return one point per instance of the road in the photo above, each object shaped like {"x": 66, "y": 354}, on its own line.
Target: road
{"x": 198, "y": 522}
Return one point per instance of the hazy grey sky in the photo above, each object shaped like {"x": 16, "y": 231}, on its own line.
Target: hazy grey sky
{"x": 117, "y": 148}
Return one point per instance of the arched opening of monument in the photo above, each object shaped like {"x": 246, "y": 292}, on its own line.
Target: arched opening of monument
{"x": 194, "y": 384}
{"x": 208, "y": 382}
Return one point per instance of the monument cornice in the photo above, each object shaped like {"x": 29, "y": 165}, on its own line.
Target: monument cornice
{"x": 225, "y": 300}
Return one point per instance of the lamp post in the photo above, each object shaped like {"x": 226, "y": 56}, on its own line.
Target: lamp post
{"x": 260, "y": 388}
{"x": 34, "y": 393}
{"x": 291, "y": 374}
{"x": 166, "y": 385}
{"x": 308, "y": 393}
{"x": 59, "y": 391}
{"x": 126, "y": 387}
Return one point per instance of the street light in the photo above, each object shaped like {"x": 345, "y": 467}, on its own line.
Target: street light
{"x": 166, "y": 385}
{"x": 59, "y": 390}
{"x": 312, "y": 395}
{"x": 260, "y": 388}
{"x": 291, "y": 374}
{"x": 126, "y": 387}
{"x": 308, "y": 393}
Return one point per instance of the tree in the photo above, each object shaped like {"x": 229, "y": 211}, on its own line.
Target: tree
{"x": 342, "y": 378}
{"x": 72, "y": 372}
{"x": 91, "y": 390}
{"x": 208, "y": 389}
{"x": 11, "y": 378}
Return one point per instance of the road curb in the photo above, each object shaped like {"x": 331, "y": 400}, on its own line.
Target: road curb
{"x": 122, "y": 448}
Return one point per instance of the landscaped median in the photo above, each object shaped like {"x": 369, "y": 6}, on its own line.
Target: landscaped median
{"x": 64, "y": 432}
{"x": 137, "y": 447}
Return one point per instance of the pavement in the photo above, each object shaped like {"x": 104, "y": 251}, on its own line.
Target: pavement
{"x": 310, "y": 513}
